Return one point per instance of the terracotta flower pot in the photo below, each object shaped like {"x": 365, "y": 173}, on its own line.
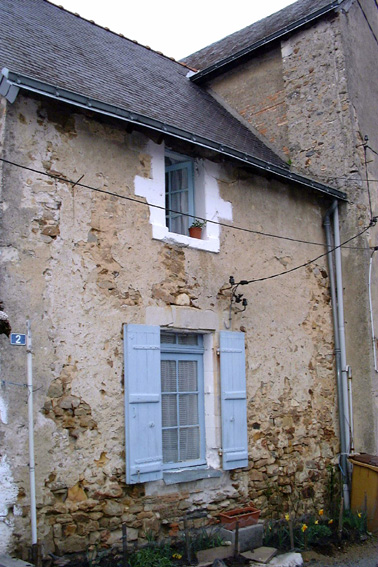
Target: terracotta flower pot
{"x": 245, "y": 516}
{"x": 195, "y": 232}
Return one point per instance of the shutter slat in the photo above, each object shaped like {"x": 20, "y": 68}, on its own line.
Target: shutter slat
{"x": 233, "y": 400}
{"x": 143, "y": 427}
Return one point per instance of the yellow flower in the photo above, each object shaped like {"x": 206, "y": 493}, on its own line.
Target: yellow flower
{"x": 316, "y": 522}
{"x": 321, "y": 512}
{"x": 330, "y": 521}
{"x": 359, "y": 514}
{"x": 304, "y": 528}
{"x": 177, "y": 556}
{"x": 287, "y": 517}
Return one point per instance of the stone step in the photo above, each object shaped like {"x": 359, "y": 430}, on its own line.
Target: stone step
{"x": 7, "y": 561}
{"x": 261, "y": 554}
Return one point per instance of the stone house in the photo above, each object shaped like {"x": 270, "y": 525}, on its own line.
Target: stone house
{"x": 157, "y": 389}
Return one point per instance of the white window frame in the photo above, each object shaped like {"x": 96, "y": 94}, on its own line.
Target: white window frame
{"x": 208, "y": 203}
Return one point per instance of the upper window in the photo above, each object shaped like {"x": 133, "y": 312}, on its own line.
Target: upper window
{"x": 179, "y": 193}
{"x": 183, "y": 434}
{"x": 179, "y": 190}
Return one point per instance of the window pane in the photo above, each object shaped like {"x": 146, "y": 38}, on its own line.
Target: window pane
{"x": 188, "y": 409}
{"x": 179, "y": 179}
{"x": 169, "y": 410}
{"x": 179, "y": 225}
{"x": 189, "y": 443}
{"x": 168, "y": 338}
{"x": 168, "y": 376}
{"x": 191, "y": 339}
{"x": 179, "y": 203}
{"x": 170, "y": 446}
{"x": 187, "y": 376}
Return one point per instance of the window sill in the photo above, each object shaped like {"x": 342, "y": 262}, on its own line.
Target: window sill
{"x": 177, "y": 476}
{"x": 208, "y": 244}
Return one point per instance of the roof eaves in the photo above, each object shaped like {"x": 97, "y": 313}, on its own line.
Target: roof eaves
{"x": 228, "y": 62}
{"x": 11, "y": 82}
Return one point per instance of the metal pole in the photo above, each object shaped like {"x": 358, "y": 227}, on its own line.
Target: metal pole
{"x": 33, "y": 512}
{"x": 344, "y": 378}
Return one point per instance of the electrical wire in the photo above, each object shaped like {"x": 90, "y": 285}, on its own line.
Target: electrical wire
{"x": 134, "y": 200}
{"x": 374, "y": 152}
{"x": 278, "y": 274}
{"x": 367, "y": 21}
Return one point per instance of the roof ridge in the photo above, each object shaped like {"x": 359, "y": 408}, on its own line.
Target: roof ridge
{"x": 60, "y": 7}
{"x": 250, "y": 29}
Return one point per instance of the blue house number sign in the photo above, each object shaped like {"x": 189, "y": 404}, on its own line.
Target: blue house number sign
{"x": 17, "y": 339}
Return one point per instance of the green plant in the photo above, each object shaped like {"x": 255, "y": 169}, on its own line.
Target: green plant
{"x": 354, "y": 524}
{"x": 333, "y": 490}
{"x": 318, "y": 534}
{"x": 204, "y": 538}
{"x": 277, "y": 534}
{"x": 152, "y": 556}
{"x": 198, "y": 223}
{"x": 150, "y": 536}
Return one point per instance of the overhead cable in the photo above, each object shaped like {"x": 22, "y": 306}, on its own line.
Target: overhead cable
{"x": 278, "y": 274}
{"x": 161, "y": 207}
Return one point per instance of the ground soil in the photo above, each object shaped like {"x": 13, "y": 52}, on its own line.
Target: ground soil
{"x": 364, "y": 554}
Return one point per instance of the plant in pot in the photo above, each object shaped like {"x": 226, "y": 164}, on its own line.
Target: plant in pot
{"x": 195, "y": 229}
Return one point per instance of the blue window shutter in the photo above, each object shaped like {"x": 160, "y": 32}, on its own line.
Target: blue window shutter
{"x": 233, "y": 400}
{"x": 142, "y": 403}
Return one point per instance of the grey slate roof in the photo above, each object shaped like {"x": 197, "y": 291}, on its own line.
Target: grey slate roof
{"x": 51, "y": 51}
{"x": 45, "y": 42}
{"x": 242, "y": 39}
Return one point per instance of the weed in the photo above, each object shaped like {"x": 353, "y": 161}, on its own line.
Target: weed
{"x": 153, "y": 556}
{"x": 314, "y": 530}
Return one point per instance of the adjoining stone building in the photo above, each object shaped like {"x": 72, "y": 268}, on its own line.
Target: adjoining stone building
{"x": 305, "y": 79}
{"x": 156, "y": 391}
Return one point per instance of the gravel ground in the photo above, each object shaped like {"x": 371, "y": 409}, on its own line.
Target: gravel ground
{"x": 357, "y": 555}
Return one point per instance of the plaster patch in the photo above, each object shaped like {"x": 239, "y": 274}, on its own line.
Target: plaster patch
{"x": 3, "y": 411}
{"x": 8, "y": 496}
{"x": 9, "y": 254}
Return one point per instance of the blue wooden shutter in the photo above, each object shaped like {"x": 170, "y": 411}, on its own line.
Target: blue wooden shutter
{"x": 142, "y": 403}
{"x": 233, "y": 400}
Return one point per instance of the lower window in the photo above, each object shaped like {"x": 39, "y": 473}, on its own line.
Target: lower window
{"x": 164, "y": 402}
{"x": 183, "y": 431}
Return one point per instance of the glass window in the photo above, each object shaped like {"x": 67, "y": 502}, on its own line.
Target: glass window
{"x": 179, "y": 193}
{"x": 182, "y": 398}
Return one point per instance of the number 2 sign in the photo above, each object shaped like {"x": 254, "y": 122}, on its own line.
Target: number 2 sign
{"x": 18, "y": 339}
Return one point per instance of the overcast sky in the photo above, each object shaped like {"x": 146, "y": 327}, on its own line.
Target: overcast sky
{"x": 175, "y": 28}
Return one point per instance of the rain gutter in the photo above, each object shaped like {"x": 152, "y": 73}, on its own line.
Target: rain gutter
{"x": 336, "y": 288}
{"x": 228, "y": 62}
{"x": 11, "y": 82}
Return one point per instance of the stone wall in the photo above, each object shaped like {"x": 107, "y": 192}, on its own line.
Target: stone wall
{"x": 256, "y": 91}
{"x": 80, "y": 264}
{"x": 322, "y": 80}
{"x": 325, "y": 140}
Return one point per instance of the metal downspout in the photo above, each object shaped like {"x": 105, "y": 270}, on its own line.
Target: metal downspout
{"x": 371, "y": 312}
{"x": 336, "y": 288}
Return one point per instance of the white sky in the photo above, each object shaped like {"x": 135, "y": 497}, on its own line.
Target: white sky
{"x": 175, "y": 28}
